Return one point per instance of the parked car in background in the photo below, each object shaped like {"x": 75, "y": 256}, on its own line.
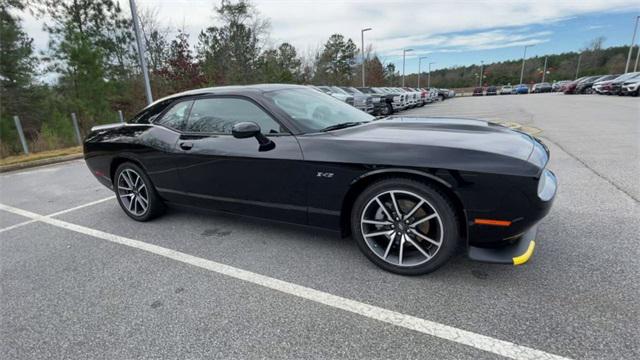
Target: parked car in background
{"x": 399, "y": 102}
{"x": 382, "y": 103}
{"x": 556, "y": 86}
{"x": 478, "y": 91}
{"x": 570, "y": 88}
{"x": 541, "y": 87}
{"x": 492, "y": 90}
{"x": 631, "y": 87}
{"x": 521, "y": 89}
{"x": 434, "y": 94}
{"x": 506, "y": 90}
{"x": 340, "y": 95}
{"x": 584, "y": 86}
{"x": 416, "y": 94}
{"x": 587, "y": 85}
{"x": 445, "y": 94}
{"x": 616, "y": 84}
{"x": 361, "y": 101}
{"x": 603, "y": 87}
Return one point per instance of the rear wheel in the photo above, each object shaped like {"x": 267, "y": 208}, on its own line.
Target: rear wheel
{"x": 405, "y": 226}
{"x": 386, "y": 110}
{"x": 136, "y": 194}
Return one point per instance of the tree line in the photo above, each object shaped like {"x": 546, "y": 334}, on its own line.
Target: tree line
{"x": 92, "y": 68}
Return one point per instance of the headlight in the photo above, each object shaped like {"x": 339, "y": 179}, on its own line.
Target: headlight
{"x": 547, "y": 185}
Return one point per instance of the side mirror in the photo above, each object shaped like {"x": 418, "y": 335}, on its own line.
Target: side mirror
{"x": 244, "y": 130}
{"x": 247, "y": 129}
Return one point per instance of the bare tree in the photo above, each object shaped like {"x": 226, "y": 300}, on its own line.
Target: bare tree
{"x": 155, "y": 36}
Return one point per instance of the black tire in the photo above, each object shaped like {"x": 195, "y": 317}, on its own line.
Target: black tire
{"x": 155, "y": 206}
{"x": 441, "y": 97}
{"x": 387, "y": 110}
{"x": 435, "y": 199}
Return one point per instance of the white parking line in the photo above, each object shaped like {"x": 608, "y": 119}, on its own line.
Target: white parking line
{"x": 58, "y": 213}
{"x": 482, "y": 342}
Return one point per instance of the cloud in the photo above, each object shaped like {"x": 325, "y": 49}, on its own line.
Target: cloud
{"x": 434, "y": 26}
{"x": 597, "y": 27}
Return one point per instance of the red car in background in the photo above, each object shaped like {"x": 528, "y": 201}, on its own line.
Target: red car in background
{"x": 570, "y": 88}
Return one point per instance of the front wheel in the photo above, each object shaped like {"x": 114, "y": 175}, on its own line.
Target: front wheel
{"x": 136, "y": 194}
{"x": 404, "y": 226}
{"x": 386, "y": 110}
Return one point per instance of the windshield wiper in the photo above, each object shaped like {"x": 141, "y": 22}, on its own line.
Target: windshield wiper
{"x": 342, "y": 125}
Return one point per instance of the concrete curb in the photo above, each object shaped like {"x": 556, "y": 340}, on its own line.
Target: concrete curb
{"x": 40, "y": 162}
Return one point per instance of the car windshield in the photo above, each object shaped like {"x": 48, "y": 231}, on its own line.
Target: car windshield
{"x": 313, "y": 111}
{"x": 628, "y": 76}
{"x": 339, "y": 90}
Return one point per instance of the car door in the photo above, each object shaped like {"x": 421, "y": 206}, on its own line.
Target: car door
{"x": 237, "y": 175}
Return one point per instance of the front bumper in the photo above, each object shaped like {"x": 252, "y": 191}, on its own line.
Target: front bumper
{"x": 517, "y": 253}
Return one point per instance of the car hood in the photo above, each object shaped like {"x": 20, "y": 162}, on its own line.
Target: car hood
{"x": 444, "y": 143}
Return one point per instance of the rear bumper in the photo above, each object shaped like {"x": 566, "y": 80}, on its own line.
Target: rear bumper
{"x": 517, "y": 253}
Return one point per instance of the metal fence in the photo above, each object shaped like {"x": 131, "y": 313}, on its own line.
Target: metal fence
{"x": 25, "y": 143}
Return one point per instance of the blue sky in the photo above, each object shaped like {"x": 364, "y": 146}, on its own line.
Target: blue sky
{"x": 565, "y": 35}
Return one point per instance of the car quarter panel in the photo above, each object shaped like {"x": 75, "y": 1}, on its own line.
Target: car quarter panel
{"x": 153, "y": 147}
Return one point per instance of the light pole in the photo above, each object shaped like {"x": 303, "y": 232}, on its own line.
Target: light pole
{"x": 523, "y": 60}
{"x": 633, "y": 41}
{"x": 481, "y": 72}
{"x": 404, "y": 54}
{"x": 544, "y": 71}
{"x": 419, "y": 63}
{"x": 578, "y": 66}
{"x": 635, "y": 67}
{"x": 362, "y": 38}
{"x": 141, "y": 51}
{"x": 429, "y": 76}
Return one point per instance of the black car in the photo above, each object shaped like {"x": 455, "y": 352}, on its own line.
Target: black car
{"x": 586, "y": 86}
{"x": 409, "y": 190}
{"x": 383, "y": 103}
{"x": 492, "y": 90}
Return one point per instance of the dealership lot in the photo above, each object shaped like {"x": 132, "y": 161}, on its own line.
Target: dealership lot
{"x": 91, "y": 283}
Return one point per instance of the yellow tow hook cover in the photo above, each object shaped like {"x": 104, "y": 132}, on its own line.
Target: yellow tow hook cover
{"x": 519, "y": 260}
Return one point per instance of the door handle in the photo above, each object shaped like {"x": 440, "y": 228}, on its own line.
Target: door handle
{"x": 186, "y": 145}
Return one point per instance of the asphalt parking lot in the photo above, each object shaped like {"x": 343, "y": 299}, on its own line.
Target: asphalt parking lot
{"x": 88, "y": 282}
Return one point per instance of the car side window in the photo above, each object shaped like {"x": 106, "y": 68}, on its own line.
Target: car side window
{"x": 176, "y": 116}
{"x": 218, "y": 115}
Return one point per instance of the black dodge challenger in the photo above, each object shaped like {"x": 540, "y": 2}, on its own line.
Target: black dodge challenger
{"x": 410, "y": 190}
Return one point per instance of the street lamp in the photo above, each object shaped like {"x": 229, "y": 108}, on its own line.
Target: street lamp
{"x": 429, "y": 76}
{"x": 523, "y": 59}
{"x": 419, "y": 63}
{"x": 544, "y": 71}
{"x": 404, "y": 54}
{"x": 141, "y": 51}
{"x": 362, "y": 38}
{"x": 633, "y": 41}
{"x": 481, "y": 72}
{"x": 578, "y": 66}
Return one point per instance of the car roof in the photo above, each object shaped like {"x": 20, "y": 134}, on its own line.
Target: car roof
{"x": 230, "y": 90}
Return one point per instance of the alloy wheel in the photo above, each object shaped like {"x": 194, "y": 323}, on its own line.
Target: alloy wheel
{"x": 402, "y": 228}
{"x": 133, "y": 192}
